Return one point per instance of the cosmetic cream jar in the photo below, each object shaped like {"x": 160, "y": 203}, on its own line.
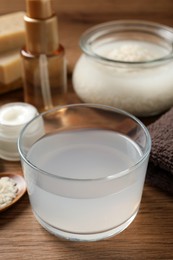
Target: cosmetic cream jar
{"x": 127, "y": 64}
{"x": 13, "y": 117}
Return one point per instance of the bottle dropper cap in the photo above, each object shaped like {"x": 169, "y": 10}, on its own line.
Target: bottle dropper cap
{"x": 41, "y": 27}
{"x": 39, "y": 9}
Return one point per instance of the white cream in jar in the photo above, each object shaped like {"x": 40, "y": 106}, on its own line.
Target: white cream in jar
{"x": 13, "y": 117}
{"x": 131, "y": 70}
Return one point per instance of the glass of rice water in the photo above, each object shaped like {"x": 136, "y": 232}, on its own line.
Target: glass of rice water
{"x": 85, "y": 169}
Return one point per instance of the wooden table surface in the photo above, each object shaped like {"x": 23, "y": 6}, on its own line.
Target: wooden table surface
{"x": 150, "y": 236}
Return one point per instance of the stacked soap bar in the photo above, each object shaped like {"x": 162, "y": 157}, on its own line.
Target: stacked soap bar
{"x": 12, "y": 38}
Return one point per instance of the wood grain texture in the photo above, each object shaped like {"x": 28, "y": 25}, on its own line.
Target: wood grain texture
{"x": 150, "y": 236}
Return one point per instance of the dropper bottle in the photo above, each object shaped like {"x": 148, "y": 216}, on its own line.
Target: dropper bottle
{"x": 43, "y": 57}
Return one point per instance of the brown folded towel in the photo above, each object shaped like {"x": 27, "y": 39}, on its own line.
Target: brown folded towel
{"x": 160, "y": 168}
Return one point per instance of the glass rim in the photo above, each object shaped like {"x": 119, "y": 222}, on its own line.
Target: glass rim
{"x": 91, "y": 34}
{"x": 98, "y": 106}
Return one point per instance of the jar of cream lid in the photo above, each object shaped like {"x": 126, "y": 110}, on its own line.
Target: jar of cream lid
{"x": 127, "y": 64}
{"x": 13, "y": 117}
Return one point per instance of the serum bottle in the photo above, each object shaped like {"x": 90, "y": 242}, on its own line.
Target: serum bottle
{"x": 43, "y": 57}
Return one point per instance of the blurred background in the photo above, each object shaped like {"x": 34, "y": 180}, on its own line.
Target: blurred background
{"x": 75, "y": 16}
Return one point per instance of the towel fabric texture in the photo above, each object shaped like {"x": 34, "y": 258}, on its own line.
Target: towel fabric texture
{"x": 160, "y": 168}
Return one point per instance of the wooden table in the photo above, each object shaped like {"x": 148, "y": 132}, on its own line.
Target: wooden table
{"x": 150, "y": 236}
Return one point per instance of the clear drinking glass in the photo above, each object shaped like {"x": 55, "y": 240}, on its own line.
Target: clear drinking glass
{"x": 85, "y": 171}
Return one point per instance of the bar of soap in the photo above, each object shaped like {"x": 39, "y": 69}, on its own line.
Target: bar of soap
{"x": 10, "y": 67}
{"x": 12, "y": 31}
{"x": 12, "y": 86}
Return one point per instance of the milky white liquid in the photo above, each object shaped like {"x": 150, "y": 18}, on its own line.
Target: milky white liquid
{"x": 85, "y": 206}
{"x": 142, "y": 89}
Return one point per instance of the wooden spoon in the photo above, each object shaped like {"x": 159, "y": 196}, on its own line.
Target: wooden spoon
{"x": 21, "y": 185}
